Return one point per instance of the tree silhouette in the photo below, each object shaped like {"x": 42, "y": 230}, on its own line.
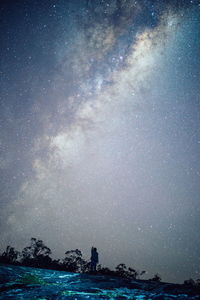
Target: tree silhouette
{"x": 121, "y": 270}
{"x": 189, "y": 282}
{"x": 74, "y": 262}
{"x": 132, "y": 273}
{"x": 104, "y": 270}
{"x": 36, "y": 254}
{"x": 10, "y": 255}
{"x": 156, "y": 278}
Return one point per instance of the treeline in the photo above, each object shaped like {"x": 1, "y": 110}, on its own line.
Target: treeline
{"x": 38, "y": 255}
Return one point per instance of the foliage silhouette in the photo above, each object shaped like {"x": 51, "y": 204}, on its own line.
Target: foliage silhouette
{"x": 74, "y": 262}
{"x": 121, "y": 270}
{"x": 192, "y": 283}
{"x": 10, "y": 255}
{"x": 156, "y": 278}
{"x": 37, "y": 254}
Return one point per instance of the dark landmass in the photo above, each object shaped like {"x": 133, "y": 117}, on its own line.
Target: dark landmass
{"x": 17, "y": 282}
{"x": 33, "y": 273}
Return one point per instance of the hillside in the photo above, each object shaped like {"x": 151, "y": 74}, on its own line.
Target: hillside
{"x": 18, "y": 282}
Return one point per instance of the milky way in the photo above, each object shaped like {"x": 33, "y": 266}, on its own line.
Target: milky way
{"x": 99, "y": 130}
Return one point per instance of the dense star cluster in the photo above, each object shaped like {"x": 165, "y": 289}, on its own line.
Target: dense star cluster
{"x": 99, "y": 130}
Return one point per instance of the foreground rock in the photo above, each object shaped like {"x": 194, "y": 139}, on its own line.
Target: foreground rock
{"x": 18, "y": 282}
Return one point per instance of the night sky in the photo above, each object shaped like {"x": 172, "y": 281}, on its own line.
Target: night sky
{"x": 99, "y": 130}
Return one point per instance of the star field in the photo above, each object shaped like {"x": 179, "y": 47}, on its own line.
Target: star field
{"x": 99, "y": 130}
